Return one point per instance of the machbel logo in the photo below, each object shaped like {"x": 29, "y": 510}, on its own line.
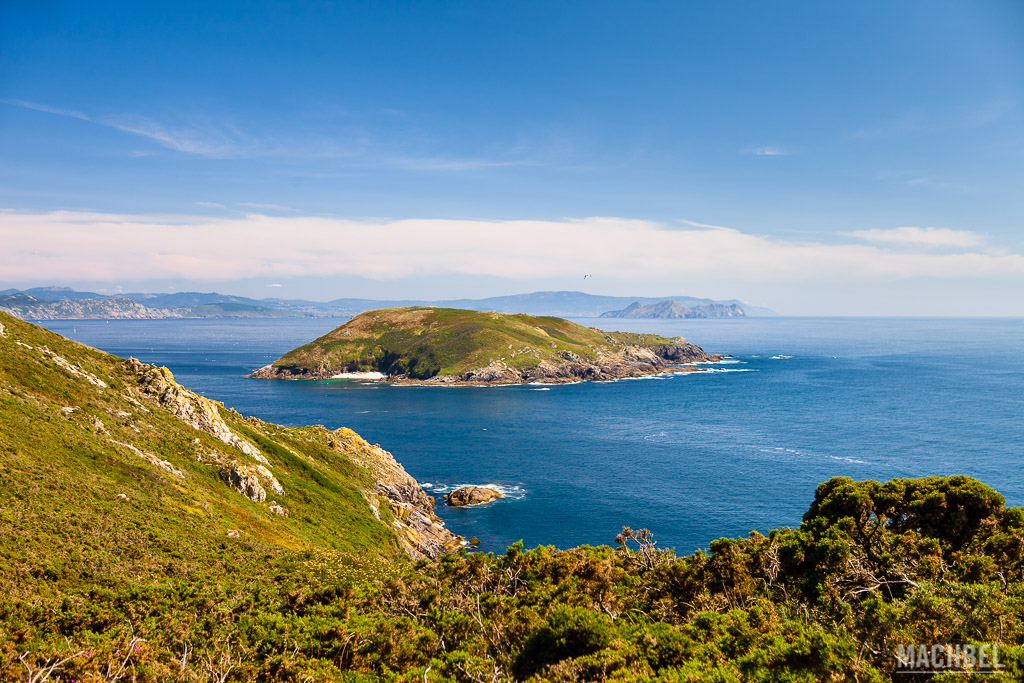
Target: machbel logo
{"x": 982, "y": 658}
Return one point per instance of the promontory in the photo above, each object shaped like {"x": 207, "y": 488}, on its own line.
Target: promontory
{"x": 448, "y": 346}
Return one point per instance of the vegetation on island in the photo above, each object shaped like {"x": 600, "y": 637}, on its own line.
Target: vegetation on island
{"x": 423, "y": 342}
{"x": 113, "y": 567}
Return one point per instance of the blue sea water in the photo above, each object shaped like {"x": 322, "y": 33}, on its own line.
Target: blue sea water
{"x": 692, "y": 457}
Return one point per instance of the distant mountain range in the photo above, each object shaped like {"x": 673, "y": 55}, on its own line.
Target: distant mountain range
{"x": 46, "y": 303}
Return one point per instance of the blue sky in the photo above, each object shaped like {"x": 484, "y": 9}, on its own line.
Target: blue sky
{"x": 863, "y": 155}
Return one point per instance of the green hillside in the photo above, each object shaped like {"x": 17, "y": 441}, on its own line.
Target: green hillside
{"x": 127, "y": 554}
{"x": 423, "y": 342}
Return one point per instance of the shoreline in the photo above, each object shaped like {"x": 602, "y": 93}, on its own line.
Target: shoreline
{"x": 269, "y": 372}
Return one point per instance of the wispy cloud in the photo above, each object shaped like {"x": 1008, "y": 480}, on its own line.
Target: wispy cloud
{"x": 355, "y": 148}
{"x": 909, "y": 236}
{"x": 46, "y": 108}
{"x": 208, "y": 141}
{"x": 210, "y": 205}
{"x": 923, "y": 180}
{"x": 767, "y": 151}
{"x": 275, "y": 284}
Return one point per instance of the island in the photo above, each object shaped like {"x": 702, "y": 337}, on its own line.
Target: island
{"x": 670, "y": 309}
{"x": 450, "y": 346}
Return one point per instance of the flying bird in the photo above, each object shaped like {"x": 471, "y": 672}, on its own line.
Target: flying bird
{"x": 586, "y": 276}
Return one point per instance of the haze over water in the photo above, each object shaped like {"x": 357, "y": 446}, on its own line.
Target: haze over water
{"x": 692, "y": 457}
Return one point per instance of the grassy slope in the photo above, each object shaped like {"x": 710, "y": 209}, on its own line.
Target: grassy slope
{"x": 425, "y": 341}
{"x": 62, "y": 475}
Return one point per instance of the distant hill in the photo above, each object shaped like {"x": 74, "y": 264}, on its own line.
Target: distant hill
{"x": 193, "y": 299}
{"x": 122, "y": 308}
{"x": 60, "y": 294}
{"x": 670, "y": 309}
{"x": 564, "y": 304}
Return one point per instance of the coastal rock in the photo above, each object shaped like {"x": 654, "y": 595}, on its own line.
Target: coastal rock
{"x": 471, "y": 495}
{"x": 495, "y": 373}
{"x": 420, "y": 531}
{"x": 681, "y": 351}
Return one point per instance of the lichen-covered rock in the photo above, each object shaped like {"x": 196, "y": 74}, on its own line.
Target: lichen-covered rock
{"x": 245, "y": 480}
{"x": 471, "y": 495}
{"x": 277, "y": 509}
{"x": 198, "y": 411}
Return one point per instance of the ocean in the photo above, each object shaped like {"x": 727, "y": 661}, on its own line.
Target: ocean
{"x": 691, "y": 457}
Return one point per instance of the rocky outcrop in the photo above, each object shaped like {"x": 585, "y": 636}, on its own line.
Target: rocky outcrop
{"x": 471, "y": 495}
{"x": 72, "y": 369}
{"x": 671, "y": 309}
{"x": 246, "y": 483}
{"x": 249, "y": 480}
{"x": 682, "y": 351}
{"x": 420, "y": 531}
{"x": 198, "y": 411}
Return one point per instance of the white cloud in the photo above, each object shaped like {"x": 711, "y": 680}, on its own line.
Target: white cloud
{"x": 210, "y": 205}
{"x": 66, "y": 246}
{"x": 909, "y": 236}
{"x": 276, "y": 284}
